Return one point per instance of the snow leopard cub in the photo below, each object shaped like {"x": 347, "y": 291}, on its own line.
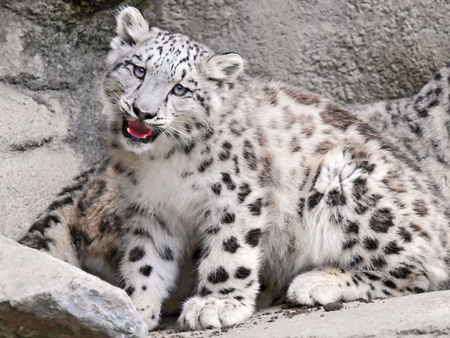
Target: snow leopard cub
{"x": 276, "y": 186}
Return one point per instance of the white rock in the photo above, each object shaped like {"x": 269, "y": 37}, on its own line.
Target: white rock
{"x": 42, "y": 296}
{"x": 425, "y": 315}
{"x": 29, "y": 181}
{"x": 16, "y": 60}
{"x": 25, "y": 123}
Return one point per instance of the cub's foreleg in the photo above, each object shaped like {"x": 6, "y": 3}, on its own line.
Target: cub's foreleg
{"x": 149, "y": 268}
{"x": 228, "y": 269}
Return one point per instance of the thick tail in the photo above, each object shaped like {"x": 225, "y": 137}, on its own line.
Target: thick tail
{"x": 420, "y": 125}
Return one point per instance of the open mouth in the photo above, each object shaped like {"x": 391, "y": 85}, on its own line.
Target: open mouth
{"x": 137, "y": 131}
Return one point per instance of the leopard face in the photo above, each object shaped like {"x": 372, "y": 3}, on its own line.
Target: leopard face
{"x": 157, "y": 86}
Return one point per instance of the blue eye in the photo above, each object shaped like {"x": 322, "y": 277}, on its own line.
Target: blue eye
{"x": 139, "y": 72}
{"x": 179, "y": 90}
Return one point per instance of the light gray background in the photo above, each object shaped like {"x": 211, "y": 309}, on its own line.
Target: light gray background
{"x": 52, "y": 52}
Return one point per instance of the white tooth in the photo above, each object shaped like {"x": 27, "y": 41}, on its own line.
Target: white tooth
{"x": 128, "y": 130}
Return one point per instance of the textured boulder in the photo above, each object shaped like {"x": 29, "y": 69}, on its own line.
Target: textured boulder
{"x": 44, "y": 297}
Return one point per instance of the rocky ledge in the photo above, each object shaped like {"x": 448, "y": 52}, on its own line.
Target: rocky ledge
{"x": 41, "y": 296}
{"x": 425, "y": 315}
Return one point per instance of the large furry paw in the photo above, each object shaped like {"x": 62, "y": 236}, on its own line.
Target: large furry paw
{"x": 323, "y": 287}
{"x": 150, "y": 315}
{"x": 210, "y": 312}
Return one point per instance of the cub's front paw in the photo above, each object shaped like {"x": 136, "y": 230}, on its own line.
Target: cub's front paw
{"x": 211, "y": 312}
{"x": 150, "y": 315}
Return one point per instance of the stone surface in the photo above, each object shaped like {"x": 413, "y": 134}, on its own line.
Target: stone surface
{"x": 23, "y": 194}
{"x": 44, "y": 297}
{"x": 425, "y": 315}
{"x": 350, "y": 50}
{"x": 36, "y": 160}
{"x": 27, "y": 124}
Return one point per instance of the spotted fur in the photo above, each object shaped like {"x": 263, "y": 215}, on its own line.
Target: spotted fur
{"x": 420, "y": 125}
{"x": 243, "y": 184}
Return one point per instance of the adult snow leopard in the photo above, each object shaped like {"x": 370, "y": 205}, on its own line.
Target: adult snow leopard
{"x": 273, "y": 185}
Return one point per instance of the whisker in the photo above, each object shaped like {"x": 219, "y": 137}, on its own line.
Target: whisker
{"x": 182, "y": 133}
{"x": 110, "y": 90}
{"x": 169, "y": 130}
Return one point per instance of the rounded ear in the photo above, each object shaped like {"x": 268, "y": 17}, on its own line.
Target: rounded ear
{"x": 225, "y": 67}
{"x": 130, "y": 25}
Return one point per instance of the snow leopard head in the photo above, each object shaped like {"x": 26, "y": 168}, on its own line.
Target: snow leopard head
{"x": 161, "y": 84}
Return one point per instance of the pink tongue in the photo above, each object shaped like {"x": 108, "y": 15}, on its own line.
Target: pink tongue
{"x": 138, "y": 129}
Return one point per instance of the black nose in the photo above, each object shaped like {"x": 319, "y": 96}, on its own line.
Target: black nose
{"x": 141, "y": 115}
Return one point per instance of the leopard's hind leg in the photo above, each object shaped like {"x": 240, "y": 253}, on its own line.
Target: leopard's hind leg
{"x": 373, "y": 232}
{"x": 327, "y": 285}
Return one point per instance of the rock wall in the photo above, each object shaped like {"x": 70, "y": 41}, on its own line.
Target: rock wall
{"x": 52, "y": 52}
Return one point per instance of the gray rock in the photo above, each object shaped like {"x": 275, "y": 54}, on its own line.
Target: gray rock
{"x": 350, "y": 50}
{"x": 41, "y": 296}
{"x": 425, "y": 315}
{"x": 26, "y": 124}
{"x": 36, "y": 160}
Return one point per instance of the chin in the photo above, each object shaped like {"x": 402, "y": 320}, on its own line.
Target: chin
{"x": 136, "y": 148}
